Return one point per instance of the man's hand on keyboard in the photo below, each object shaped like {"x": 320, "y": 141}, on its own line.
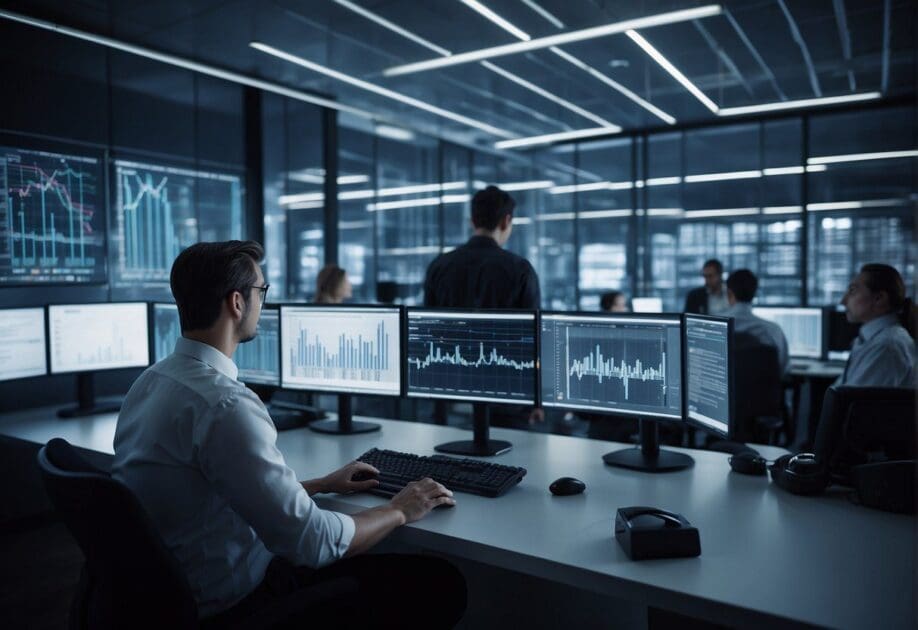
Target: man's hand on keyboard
{"x": 419, "y": 497}
{"x": 354, "y": 477}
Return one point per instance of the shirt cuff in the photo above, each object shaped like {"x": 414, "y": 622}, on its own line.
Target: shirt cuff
{"x": 348, "y": 529}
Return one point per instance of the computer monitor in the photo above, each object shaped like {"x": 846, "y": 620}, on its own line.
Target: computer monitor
{"x": 167, "y": 329}
{"x": 617, "y": 364}
{"x": 477, "y": 356}
{"x": 802, "y": 326}
{"x": 647, "y": 305}
{"x": 86, "y": 338}
{"x": 258, "y": 360}
{"x": 344, "y": 350}
{"x": 23, "y": 352}
{"x": 709, "y": 373}
{"x": 840, "y": 333}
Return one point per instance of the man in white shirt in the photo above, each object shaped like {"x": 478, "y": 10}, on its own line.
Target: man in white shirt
{"x": 198, "y": 449}
{"x": 741, "y": 287}
{"x": 711, "y": 299}
{"x": 883, "y": 355}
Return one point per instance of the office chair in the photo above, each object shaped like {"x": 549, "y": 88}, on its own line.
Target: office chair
{"x": 758, "y": 391}
{"x": 130, "y": 578}
{"x": 860, "y": 425}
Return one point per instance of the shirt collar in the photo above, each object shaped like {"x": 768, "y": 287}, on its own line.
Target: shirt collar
{"x": 482, "y": 241}
{"x": 721, "y": 293}
{"x": 206, "y": 353}
{"x": 740, "y": 308}
{"x": 875, "y": 326}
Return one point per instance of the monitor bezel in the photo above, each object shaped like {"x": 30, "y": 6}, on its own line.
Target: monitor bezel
{"x": 731, "y": 370}
{"x": 822, "y": 328}
{"x": 338, "y": 307}
{"x": 672, "y": 318}
{"x": 51, "y": 370}
{"x": 535, "y": 402}
{"x": 275, "y": 384}
{"x": 46, "y": 341}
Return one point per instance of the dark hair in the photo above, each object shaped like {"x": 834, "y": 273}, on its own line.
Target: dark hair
{"x": 490, "y": 206}
{"x": 327, "y": 282}
{"x": 743, "y": 284}
{"x": 205, "y": 273}
{"x": 607, "y": 300}
{"x": 879, "y": 277}
{"x": 713, "y": 262}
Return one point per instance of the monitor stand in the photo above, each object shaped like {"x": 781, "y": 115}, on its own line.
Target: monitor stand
{"x": 86, "y": 400}
{"x": 345, "y": 424}
{"x": 285, "y": 414}
{"x": 480, "y": 445}
{"x": 649, "y": 457}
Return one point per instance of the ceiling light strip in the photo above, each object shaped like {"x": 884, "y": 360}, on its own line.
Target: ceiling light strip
{"x": 376, "y": 89}
{"x": 492, "y": 16}
{"x": 861, "y": 157}
{"x": 657, "y": 56}
{"x": 544, "y": 13}
{"x": 561, "y": 136}
{"x": 653, "y": 109}
{"x": 798, "y": 104}
{"x": 556, "y": 40}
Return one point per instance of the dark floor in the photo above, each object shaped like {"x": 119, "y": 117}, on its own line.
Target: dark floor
{"x": 39, "y": 572}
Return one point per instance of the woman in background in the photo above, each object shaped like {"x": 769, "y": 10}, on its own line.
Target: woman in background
{"x": 332, "y": 285}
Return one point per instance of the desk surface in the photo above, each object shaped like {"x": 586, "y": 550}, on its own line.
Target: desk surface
{"x": 767, "y": 556}
{"x": 815, "y": 368}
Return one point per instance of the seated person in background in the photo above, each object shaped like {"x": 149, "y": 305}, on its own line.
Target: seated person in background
{"x": 332, "y": 285}
{"x": 883, "y": 355}
{"x": 711, "y": 299}
{"x": 197, "y": 448}
{"x": 741, "y": 287}
{"x": 613, "y": 302}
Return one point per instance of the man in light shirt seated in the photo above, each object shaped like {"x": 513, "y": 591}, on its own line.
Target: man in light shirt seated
{"x": 197, "y": 448}
{"x": 741, "y": 287}
{"x": 883, "y": 354}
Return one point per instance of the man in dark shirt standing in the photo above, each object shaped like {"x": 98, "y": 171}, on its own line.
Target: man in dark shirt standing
{"x": 481, "y": 274}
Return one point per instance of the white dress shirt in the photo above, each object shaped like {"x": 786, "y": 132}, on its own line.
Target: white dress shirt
{"x": 718, "y": 303}
{"x": 883, "y": 355}
{"x": 198, "y": 449}
{"x": 765, "y": 331}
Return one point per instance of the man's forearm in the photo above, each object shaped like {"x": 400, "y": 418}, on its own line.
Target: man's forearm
{"x": 372, "y": 525}
{"x": 315, "y": 486}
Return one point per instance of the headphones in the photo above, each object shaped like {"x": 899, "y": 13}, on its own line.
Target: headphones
{"x": 798, "y": 474}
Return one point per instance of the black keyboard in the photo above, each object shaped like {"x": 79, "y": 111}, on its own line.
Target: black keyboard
{"x": 396, "y": 470}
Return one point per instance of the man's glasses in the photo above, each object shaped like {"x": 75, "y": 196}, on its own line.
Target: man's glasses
{"x": 263, "y": 290}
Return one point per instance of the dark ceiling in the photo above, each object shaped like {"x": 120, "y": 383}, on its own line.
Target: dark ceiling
{"x": 755, "y": 51}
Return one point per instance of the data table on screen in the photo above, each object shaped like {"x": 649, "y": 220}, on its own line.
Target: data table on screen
{"x": 52, "y": 218}
{"x": 90, "y": 337}
{"x": 801, "y": 326}
{"x": 615, "y": 364}
{"x": 707, "y": 372}
{"x": 347, "y": 350}
{"x": 487, "y": 357}
{"x": 22, "y": 352}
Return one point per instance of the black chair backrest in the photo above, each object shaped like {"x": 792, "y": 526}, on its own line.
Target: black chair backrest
{"x": 757, "y": 389}
{"x": 862, "y": 424}
{"x": 132, "y": 580}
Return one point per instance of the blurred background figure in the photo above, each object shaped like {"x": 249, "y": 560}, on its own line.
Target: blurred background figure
{"x": 332, "y": 285}
{"x": 614, "y": 302}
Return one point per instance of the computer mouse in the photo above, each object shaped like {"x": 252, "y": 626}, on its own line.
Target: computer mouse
{"x": 803, "y": 464}
{"x": 748, "y": 463}
{"x": 566, "y": 486}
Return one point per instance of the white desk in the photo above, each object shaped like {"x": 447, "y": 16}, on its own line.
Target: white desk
{"x": 767, "y": 556}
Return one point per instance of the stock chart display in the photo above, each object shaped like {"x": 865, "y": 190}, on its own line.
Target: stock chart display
{"x": 258, "y": 359}
{"x": 488, "y": 357}
{"x": 52, "y": 219}
{"x": 161, "y": 210}
{"x": 614, "y": 364}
